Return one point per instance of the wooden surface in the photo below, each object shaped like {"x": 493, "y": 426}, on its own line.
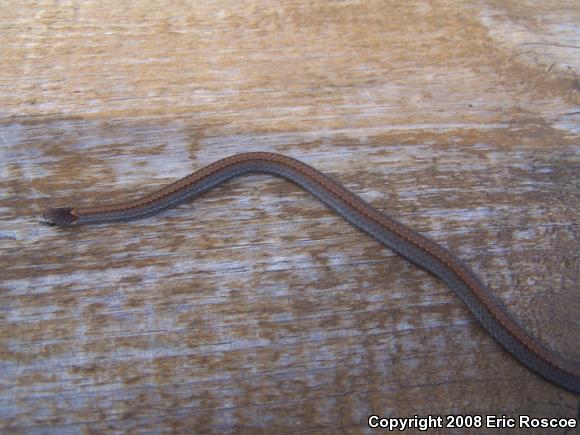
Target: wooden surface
{"x": 256, "y": 308}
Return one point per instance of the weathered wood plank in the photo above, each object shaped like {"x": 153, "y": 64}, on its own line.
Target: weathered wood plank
{"x": 255, "y": 308}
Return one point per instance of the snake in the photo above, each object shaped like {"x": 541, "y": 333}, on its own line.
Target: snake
{"x": 419, "y": 249}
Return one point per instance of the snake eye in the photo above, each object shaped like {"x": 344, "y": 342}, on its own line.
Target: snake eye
{"x": 46, "y": 218}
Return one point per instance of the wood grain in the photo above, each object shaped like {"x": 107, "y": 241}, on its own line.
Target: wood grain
{"x": 255, "y": 309}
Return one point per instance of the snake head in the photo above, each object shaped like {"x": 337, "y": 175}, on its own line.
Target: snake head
{"x": 60, "y": 217}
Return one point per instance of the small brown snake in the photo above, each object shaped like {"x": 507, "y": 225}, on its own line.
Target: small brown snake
{"x": 410, "y": 244}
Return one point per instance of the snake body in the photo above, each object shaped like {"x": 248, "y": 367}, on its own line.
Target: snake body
{"x": 415, "y": 247}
